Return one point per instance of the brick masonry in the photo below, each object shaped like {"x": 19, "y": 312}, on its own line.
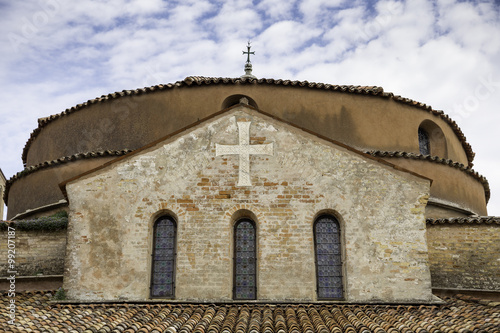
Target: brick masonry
{"x": 381, "y": 211}
{"x": 37, "y": 252}
{"x": 464, "y": 256}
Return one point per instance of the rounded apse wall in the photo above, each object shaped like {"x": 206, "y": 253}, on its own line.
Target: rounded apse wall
{"x": 365, "y": 118}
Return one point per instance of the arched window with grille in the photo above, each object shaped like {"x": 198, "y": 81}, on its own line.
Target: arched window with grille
{"x": 245, "y": 260}
{"x": 328, "y": 254}
{"x": 431, "y": 139}
{"x": 424, "y": 142}
{"x": 164, "y": 253}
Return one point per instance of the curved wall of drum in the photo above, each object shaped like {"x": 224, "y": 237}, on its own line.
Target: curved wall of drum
{"x": 364, "y": 118}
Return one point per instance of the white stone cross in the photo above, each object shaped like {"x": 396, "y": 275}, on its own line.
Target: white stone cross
{"x": 244, "y": 150}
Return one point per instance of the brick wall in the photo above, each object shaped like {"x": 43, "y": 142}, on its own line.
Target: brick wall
{"x": 37, "y": 252}
{"x": 380, "y": 209}
{"x": 464, "y": 256}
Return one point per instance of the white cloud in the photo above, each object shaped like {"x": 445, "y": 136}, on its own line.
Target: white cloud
{"x": 145, "y": 6}
{"x": 55, "y": 54}
{"x": 285, "y": 37}
{"x": 472, "y": 26}
{"x": 277, "y": 10}
{"x": 318, "y": 10}
{"x": 235, "y": 20}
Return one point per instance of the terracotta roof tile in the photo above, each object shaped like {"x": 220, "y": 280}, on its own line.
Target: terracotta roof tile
{"x": 436, "y": 159}
{"x": 59, "y": 161}
{"x": 35, "y": 313}
{"x": 200, "y": 80}
{"x": 466, "y": 220}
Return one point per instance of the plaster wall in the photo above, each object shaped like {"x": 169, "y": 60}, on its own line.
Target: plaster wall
{"x": 362, "y": 121}
{"x": 438, "y": 211}
{"x": 41, "y": 188}
{"x": 449, "y": 184}
{"x": 381, "y": 211}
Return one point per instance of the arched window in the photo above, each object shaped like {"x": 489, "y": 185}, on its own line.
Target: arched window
{"x": 328, "y": 257}
{"x": 424, "y": 142}
{"x": 164, "y": 251}
{"x": 431, "y": 139}
{"x": 245, "y": 259}
{"x": 236, "y": 99}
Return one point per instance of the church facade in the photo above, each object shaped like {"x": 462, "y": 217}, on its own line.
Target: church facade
{"x": 218, "y": 190}
{"x": 401, "y": 131}
{"x": 244, "y": 206}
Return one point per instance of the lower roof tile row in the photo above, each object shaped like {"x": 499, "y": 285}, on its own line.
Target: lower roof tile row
{"x": 34, "y": 312}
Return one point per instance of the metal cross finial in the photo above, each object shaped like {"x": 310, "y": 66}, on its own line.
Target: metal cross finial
{"x": 248, "y": 65}
{"x": 248, "y": 52}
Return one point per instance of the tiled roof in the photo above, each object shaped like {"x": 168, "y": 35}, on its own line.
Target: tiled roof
{"x": 200, "y": 80}
{"x": 436, "y": 159}
{"x": 62, "y": 160}
{"x": 466, "y": 220}
{"x": 34, "y": 313}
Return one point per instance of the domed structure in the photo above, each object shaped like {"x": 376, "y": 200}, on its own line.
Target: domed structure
{"x": 406, "y": 133}
{"x": 221, "y": 190}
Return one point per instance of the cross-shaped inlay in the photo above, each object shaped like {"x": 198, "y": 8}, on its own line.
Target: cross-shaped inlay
{"x": 244, "y": 150}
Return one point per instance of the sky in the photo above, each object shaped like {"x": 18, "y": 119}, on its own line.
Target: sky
{"x": 55, "y": 54}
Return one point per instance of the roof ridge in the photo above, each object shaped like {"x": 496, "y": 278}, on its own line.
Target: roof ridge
{"x": 202, "y": 80}
{"x": 436, "y": 159}
{"x": 61, "y": 160}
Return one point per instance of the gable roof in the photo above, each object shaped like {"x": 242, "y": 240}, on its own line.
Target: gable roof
{"x": 35, "y": 312}
{"x": 192, "y": 81}
{"x": 260, "y": 113}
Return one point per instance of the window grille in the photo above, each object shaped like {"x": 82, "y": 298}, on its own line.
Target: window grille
{"x": 328, "y": 258}
{"x": 245, "y": 284}
{"x": 424, "y": 142}
{"x": 164, "y": 252}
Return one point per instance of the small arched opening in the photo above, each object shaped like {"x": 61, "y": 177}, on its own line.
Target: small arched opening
{"x": 431, "y": 140}
{"x": 237, "y": 99}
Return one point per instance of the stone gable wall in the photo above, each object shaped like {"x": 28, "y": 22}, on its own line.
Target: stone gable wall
{"x": 381, "y": 211}
{"x": 464, "y": 256}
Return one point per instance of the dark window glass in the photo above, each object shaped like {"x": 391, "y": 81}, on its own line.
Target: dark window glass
{"x": 163, "y": 274}
{"x": 328, "y": 257}
{"x": 245, "y": 284}
{"x": 424, "y": 142}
